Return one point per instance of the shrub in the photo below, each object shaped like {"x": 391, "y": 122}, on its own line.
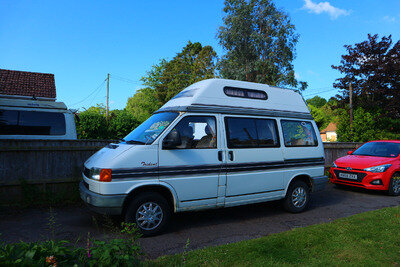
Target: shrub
{"x": 93, "y": 124}
{"x": 115, "y": 252}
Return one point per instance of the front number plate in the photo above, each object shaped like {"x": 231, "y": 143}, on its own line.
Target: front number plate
{"x": 348, "y": 176}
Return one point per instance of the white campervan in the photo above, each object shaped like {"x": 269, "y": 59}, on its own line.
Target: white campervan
{"x": 26, "y": 118}
{"x": 218, "y": 143}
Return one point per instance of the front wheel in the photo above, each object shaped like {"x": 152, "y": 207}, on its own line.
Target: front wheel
{"x": 394, "y": 185}
{"x": 297, "y": 197}
{"x": 150, "y": 212}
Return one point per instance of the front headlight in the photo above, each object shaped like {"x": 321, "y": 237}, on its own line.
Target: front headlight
{"x": 334, "y": 165}
{"x": 380, "y": 168}
{"x": 95, "y": 174}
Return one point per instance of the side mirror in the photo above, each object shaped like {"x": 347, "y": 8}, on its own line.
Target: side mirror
{"x": 172, "y": 140}
{"x": 349, "y": 152}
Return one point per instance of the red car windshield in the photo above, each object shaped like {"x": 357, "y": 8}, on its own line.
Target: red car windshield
{"x": 379, "y": 149}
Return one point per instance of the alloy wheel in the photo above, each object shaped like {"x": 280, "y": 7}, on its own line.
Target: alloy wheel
{"x": 149, "y": 216}
{"x": 299, "y": 197}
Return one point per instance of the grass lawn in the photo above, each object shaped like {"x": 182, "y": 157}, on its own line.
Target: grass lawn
{"x": 371, "y": 238}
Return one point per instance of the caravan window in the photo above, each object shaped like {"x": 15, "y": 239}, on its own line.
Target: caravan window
{"x": 251, "y": 133}
{"x": 13, "y": 122}
{"x": 298, "y": 133}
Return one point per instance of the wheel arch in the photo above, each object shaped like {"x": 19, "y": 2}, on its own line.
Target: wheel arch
{"x": 163, "y": 189}
{"x": 300, "y": 177}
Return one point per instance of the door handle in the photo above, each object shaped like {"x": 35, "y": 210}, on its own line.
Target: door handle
{"x": 220, "y": 155}
{"x": 230, "y": 153}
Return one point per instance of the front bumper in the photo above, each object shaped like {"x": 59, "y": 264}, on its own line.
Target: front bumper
{"x": 319, "y": 183}
{"x": 365, "y": 182}
{"x": 103, "y": 204}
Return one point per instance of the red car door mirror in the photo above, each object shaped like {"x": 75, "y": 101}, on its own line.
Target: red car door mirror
{"x": 349, "y": 152}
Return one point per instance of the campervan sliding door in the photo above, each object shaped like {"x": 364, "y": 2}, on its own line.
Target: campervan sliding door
{"x": 254, "y": 165}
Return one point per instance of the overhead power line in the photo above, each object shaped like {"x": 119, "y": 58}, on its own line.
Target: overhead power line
{"x": 320, "y": 92}
{"x": 94, "y": 91}
{"x": 123, "y": 79}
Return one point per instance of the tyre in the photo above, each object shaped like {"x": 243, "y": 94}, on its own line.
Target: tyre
{"x": 150, "y": 212}
{"x": 297, "y": 197}
{"x": 394, "y": 185}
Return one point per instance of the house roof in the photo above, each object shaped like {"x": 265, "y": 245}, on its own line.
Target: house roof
{"x": 23, "y": 83}
{"x": 332, "y": 127}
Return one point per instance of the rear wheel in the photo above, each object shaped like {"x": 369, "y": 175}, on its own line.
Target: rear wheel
{"x": 150, "y": 212}
{"x": 394, "y": 185}
{"x": 297, "y": 197}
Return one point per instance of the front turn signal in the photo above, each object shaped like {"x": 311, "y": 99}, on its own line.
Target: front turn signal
{"x": 105, "y": 175}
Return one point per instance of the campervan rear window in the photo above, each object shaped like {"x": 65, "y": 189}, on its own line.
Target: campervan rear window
{"x": 245, "y": 93}
{"x": 298, "y": 133}
{"x": 15, "y": 122}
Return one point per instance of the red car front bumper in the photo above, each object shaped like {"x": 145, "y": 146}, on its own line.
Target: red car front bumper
{"x": 364, "y": 179}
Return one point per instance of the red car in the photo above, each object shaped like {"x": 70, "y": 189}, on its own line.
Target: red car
{"x": 374, "y": 165}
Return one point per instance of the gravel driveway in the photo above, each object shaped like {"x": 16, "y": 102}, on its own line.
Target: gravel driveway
{"x": 206, "y": 228}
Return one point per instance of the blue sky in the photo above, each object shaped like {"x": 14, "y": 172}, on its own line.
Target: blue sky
{"x": 81, "y": 41}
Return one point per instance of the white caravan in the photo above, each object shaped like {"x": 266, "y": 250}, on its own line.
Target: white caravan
{"x": 218, "y": 143}
{"x": 25, "y": 118}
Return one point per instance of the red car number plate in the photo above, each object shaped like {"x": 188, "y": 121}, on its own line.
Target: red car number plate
{"x": 348, "y": 176}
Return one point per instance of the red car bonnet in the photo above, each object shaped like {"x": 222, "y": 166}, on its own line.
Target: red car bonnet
{"x": 362, "y": 162}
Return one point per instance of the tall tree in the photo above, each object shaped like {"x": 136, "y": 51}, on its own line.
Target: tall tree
{"x": 260, "y": 41}
{"x": 166, "y": 79}
{"x": 317, "y": 101}
{"x": 373, "y": 68}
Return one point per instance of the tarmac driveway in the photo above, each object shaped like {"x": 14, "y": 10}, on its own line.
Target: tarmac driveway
{"x": 206, "y": 228}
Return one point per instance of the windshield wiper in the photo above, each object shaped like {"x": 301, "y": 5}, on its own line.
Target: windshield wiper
{"x": 135, "y": 142}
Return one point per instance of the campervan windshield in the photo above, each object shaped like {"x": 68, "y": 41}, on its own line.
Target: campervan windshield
{"x": 149, "y": 130}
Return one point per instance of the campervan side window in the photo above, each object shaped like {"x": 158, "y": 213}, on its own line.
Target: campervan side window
{"x": 251, "y": 133}
{"x": 13, "y": 122}
{"x": 298, "y": 133}
{"x": 245, "y": 93}
{"x": 197, "y": 132}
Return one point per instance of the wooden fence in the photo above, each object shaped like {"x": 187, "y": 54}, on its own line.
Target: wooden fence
{"x": 59, "y": 162}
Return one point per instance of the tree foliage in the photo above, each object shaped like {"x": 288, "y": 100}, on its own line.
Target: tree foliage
{"x": 166, "y": 79}
{"x": 93, "y": 124}
{"x": 260, "y": 41}
{"x": 322, "y": 111}
{"x": 317, "y": 101}
{"x": 373, "y": 68}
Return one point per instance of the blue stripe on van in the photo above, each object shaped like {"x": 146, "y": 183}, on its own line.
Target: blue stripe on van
{"x": 217, "y": 168}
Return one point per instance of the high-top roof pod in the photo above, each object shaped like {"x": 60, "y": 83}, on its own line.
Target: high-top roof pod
{"x": 237, "y": 97}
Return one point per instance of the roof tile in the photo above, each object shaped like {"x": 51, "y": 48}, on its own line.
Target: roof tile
{"x": 25, "y": 83}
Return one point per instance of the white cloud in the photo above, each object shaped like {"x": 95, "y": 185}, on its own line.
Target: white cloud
{"x": 324, "y": 7}
{"x": 389, "y": 19}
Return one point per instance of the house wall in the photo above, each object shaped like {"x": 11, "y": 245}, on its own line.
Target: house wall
{"x": 331, "y": 136}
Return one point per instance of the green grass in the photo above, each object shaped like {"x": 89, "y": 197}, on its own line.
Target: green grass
{"x": 371, "y": 238}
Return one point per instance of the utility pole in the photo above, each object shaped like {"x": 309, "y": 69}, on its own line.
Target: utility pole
{"x": 108, "y": 87}
{"x": 351, "y": 105}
